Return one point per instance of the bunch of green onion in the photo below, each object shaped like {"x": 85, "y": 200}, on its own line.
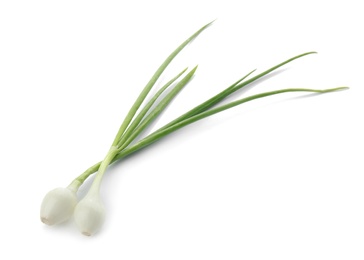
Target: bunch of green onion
{"x": 61, "y": 203}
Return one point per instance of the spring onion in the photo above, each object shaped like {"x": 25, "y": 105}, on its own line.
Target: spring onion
{"x": 89, "y": 213}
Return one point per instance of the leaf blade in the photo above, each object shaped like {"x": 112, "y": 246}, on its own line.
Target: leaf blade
{"x": 158, "y": 109}
{"x": 151, "y": 83}
{"x": 228, "y": 91}
{"x": 164, "y": 132}
{"x": 147, "y": 107}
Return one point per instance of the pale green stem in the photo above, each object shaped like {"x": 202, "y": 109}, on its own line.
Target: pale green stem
{"x": 81, "y": 179}
{"x": 75, "y": 184}
{"x": 95, "y": 187}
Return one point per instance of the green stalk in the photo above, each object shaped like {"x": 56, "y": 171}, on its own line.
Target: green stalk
{"x": 110, "y": 156}
{"x": 95, "y": 187}
{"x": 228, "y": 91}
{"x": 157, "y": 110}
{"x": 200, "y": 108}
{"x": 157, "y": 135}
{"x": 165, "y": 131}
{"x": 102, "y": 166}
{"x": 146, "y": 108}
{"x": 151, "y": 83}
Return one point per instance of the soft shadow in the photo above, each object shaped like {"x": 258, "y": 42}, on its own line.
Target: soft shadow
{"x": 82, "y": 191}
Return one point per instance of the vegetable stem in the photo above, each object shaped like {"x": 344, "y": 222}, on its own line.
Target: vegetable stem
{"x": 165, "y": 131}
{"x": 151, "y": 83}
{"x": 158, "y": 109}
{"x": 228, "y": 91}
{"x": 158, "y": 134}
{"x": 146, "y": 108}
{"x": 95, "y": 187}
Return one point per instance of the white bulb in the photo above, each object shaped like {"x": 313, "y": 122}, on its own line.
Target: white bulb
{"x": 58, "y": 206}
{"x": 90, "y": 214}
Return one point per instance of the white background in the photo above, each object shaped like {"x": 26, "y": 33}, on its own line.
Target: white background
{"x": 280, "y": 178}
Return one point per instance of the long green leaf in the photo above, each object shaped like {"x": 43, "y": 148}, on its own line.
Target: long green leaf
{"x": 157, "y": 135}
{"x": 163, "y": 132}
{"x": 147, "y": 107}
{"x": 158, "y": 109}
{"x": 151, "y": 83}
{"x": 228, "y": 91}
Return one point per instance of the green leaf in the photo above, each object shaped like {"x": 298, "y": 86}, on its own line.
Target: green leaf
{"x": 163, "y": 132}
{"x": 157, "y": 135}
{"x": 158, "y": 109}
{"x": 151, "y": 83}
{"x": 228, "y": 91}
{"x": 146, "y": 108}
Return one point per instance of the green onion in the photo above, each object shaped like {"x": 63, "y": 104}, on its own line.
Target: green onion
{"x": 59, "y": 204}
